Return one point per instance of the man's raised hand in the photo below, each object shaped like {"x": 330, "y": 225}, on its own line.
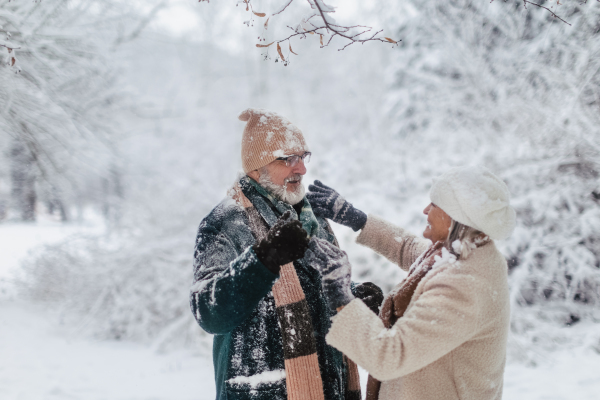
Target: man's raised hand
{"x": 285, "y": 242}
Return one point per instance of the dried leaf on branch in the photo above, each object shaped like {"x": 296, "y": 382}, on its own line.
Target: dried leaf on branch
{"x": 320, "y": 21}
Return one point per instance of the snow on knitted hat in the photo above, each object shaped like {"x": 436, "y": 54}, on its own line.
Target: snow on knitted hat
{"x": 476, "y": 197}
{"x": 266, "y": 137}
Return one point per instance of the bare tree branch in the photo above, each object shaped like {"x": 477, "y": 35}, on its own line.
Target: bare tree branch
{"x": 319, "y": 22}
{"x": 282, "y": 9}
{"x": 525, "y": 2}
{"x": 342, "y": 31}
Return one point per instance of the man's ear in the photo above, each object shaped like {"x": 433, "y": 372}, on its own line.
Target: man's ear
{"x": 254, "y": 175}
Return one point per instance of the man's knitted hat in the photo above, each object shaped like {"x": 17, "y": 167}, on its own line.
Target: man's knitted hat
{"x": 476, "y": 197}
{"x": 267, "y": 136}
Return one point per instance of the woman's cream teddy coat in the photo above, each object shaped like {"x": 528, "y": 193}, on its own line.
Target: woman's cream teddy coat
{"x": 451, "y": 341}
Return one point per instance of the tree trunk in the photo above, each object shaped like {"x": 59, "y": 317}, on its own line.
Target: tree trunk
{"x": 113, "y": 196}
{"x": 23, "y": 176}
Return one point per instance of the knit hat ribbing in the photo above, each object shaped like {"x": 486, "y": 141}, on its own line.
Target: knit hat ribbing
{"x": 266, "y": 137}
{"x": 476, "y": 197}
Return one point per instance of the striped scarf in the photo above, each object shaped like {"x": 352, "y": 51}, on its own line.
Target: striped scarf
{"x": 302, "y": 373}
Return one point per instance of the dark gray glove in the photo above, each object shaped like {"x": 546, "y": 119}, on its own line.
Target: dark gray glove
{"x": 328, "y": 203}
{"x": 286, "y": 241}
{"x": 335, "y": 269}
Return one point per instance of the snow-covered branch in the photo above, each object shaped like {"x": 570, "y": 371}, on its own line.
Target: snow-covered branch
{"x": 318, "y": 21}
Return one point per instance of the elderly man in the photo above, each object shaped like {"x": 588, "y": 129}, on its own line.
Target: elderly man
{"x": 254, "y": 288}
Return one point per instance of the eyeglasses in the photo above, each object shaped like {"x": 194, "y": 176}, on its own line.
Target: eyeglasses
{"x": 292, "y": 161}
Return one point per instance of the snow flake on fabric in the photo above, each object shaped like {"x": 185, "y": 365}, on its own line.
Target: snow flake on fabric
{"x": 457, "y": 246}
{"x": 446, "y": 258}
{"x": 386, "y": 333}
{"x": 257, "y": 380}
{"x": 199, "y": 286}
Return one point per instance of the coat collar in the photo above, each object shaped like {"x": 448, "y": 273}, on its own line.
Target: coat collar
{"x": 270, "y": 208}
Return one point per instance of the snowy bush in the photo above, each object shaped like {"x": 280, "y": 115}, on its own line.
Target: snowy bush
{"x": 122, "y": 287}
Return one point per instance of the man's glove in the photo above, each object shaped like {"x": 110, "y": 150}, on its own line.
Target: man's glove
{"x": 370, "y": 294}
{"x": 328, "y": 203}
{"x": 335, "y": 269}
{"x": 286, "y": 241}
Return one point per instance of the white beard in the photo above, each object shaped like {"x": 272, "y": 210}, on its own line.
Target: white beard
{"x": 280, "y": 191}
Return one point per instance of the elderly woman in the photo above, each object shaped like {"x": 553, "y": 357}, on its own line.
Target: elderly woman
{"x": 441, "y": 333}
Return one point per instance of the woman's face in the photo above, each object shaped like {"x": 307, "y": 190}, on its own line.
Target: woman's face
{"x": 438, "y": 223}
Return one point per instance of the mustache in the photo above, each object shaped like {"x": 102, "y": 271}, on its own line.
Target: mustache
{"x": 295, "y": 177}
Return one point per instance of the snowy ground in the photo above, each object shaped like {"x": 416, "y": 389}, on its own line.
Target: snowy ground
{"x": 41, "y": 359}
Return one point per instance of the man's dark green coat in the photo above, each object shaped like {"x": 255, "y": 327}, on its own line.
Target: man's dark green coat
{"x": 232, "y": 299}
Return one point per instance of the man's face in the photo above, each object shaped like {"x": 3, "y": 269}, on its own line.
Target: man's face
{"x": 282, "y": 180}
{"x": 283, "y": 175}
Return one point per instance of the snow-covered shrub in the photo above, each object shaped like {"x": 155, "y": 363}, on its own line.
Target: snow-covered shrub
{"x": 129, "y": 288}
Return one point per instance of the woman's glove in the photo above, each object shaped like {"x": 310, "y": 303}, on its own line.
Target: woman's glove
{"x": 285, "y": 242}
{"x": 335, "y": 269}
{"x": 328, "y": 203}
{"x": 370, "y": 294}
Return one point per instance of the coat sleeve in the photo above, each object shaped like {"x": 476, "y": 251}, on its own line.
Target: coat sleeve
{"x": 444, "y": 316}
{"x": 228, "y": 283}
{"x": 392, "y": 242}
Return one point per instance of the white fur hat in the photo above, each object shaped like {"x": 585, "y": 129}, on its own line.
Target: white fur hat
{"x": 476, "y": 197}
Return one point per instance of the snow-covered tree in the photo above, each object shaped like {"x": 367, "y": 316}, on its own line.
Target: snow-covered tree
{"x": 520, "y": 93}
{"x": 60, "y": 97}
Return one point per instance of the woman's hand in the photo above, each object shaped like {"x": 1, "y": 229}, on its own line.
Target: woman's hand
{"x": 328, "y": 203}
{"x": 370, "y": 294}
{"x": 335, "y": 269}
